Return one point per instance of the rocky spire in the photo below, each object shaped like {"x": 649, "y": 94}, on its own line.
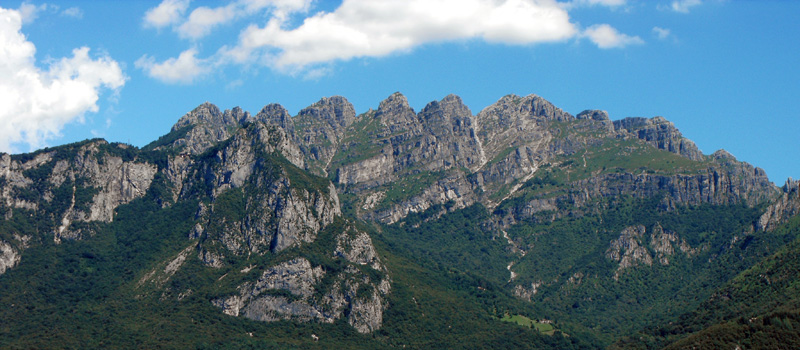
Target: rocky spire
{"x": 275, "y": 114}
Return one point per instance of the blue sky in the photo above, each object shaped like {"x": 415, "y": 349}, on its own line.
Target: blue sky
{"x": 725, "y": 72}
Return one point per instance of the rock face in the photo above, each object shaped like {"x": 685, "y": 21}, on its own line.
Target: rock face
{"x": 660, "y": 133}
{"x": 85, "y": 183}
{"x": 255, "y": 206}
{"x": 205, "y": 126}
{"x": 9, "y": 257}
{"x": 320, "y": 128}
{"x": 295, "y": 289}
{"x": 631, "y": 249}
{"x": 784, "y": 208}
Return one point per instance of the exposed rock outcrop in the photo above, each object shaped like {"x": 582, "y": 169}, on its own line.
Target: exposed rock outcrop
{"x": 9, "y": 257}
{"x": 660, "y": 133}
{"x": 319, "y": 129}
{"x": 350, "y": 293}
{"x": 205, "y": 126}
{"x": 631, "y": 249}
{"x": 91, "y": 169}
{"x": 784, "y": 208}
{"x": 256, "y": 205}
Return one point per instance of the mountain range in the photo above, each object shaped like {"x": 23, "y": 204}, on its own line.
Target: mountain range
{"x": 521, "y": 225}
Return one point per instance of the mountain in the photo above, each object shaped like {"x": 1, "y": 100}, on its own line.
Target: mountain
{"x": 521, "y": 225}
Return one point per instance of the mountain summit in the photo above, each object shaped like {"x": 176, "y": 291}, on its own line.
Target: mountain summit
{"x": 389, "y": 228}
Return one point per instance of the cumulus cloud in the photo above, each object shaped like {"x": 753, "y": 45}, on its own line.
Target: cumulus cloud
{"x": 168, "y": 12}
{"x": 368, "y": 28}
{"x": 202, "y": 20}
{"x": 38, "y": 103}
{"x": 683, "y": 6}
{"x": 361, "y": 28}
{"x": 184, "y": 70}
{"x": 661, "y": 33}
{"x": 606, "y": 37}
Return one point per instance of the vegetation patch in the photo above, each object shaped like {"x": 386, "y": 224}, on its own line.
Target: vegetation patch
{"x": 541, "y": 327}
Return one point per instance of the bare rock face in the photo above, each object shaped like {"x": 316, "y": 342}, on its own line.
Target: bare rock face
{"x": 449, "y": 140}
{"x": 398, "y": 128}
{"x": 256, "y": 205}
{"x": 785, "y": 207}
{"x": 319, "y": 129}
{"x": 721, "y": 184}
{"x": 89, "y": 168}
{"x": 356, "y": 247}
{"x": 205, "y": 126}
{"x": 660, "y": 133}
{"x": 275, "y": 114}
{"x": 9, "y": 257}
{"x": 631, "y": 249}
{"x": 118, "y": 182}
{"x": 349, "y": 293}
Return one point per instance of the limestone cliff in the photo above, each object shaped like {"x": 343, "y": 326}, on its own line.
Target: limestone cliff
{"x": 782, "y": 209}
{"x": 83, "y": 182}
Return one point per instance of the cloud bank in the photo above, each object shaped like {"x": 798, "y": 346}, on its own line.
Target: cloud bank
{"x": 364, "y": 28}
{"x": 38, "y": 103}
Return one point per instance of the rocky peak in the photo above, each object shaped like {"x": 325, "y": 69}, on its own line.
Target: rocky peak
{"x": 791, "y": 185}
{"x": 235, "y": 116}
{"x": 203, "y": 127}
{"x": 395, "y": 101}
{"x": 208, "y": 113}
{"x": 448, "y": 112}
{"x": 395, "y": 113}
{"x": 336, "y": 111}
{"x": 593, "y": 114}
{"x": 540, "y": 108}
{"x": 723, "y": 155}
{"x": 515, "y": 110}
{"x": 276, "y": 114}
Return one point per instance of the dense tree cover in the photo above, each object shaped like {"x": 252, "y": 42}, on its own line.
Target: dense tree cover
{"x": 568, "y": 257}
{"x": 92, "y": 293}
{"x": 458, "y": 240}
{"x": 757, "y": 309}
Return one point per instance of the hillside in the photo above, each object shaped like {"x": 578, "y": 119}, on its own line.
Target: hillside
{"x": 392, "y": 228}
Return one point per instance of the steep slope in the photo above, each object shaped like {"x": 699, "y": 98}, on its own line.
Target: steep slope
{"x": 390, "y": 228}
{"x": 397, "y": 162}
{"x": 200, "y": 129}
{"x": 255, "y": 211}
{"x": 757, "y": 309}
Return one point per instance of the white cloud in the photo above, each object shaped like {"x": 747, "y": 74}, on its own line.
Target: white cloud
{"x": 184, "y": 69}
{"x": 368, "y": 28}
{"x": 30, "y": 12}
{"x": 202, "y": 20}
{"x": 683, "y": 6}
{"x": 661, "y": 33}
{"x": 168, "y": 12}
{"x": 38, "y": 103}
{"x": 74, "y": 12}
{"x": 365, "y": 28}
{"x": 609, "y": 3}
{"x": 606, "y": 37}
